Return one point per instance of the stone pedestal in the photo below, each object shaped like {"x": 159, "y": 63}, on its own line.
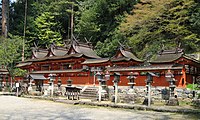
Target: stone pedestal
{"x": 132, "y": 84}
{"x": 145, "y": 102}
{"x": 173, "y": 102}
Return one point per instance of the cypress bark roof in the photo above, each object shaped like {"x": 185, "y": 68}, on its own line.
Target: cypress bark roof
{"x": 58, "y": 50}
{"x": 39, "y": 53}
{"x": 83, "y": 49}
{"x": 166, "y": 56}
{"x": 126, "y": 55}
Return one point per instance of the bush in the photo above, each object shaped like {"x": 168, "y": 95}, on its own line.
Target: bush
{"x": 196, "y": 103}
{"x": 190, "y": 86}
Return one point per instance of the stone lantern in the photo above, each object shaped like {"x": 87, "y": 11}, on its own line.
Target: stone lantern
{"x": 100, "y": 80}
{"x": 107, "y": 76}
{"x": 104, "y": 81}
{"x": 116, "y": 81}
{"x": 1, "y": 82}
{"x": 30, "y": 83}
{"x": 170, "y": 78}
{"x": 59, "y": 84}
{"x": 131, "y": 78}
{"x": 51, "y": 83}
{"x": 149, "y": 80}
{"x": 69, "y": 82}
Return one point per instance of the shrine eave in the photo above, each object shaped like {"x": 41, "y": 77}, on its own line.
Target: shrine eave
{"x": 57, "y": 71}
{"x": 22, "y": 64}
{"x": 95, "y": 61}
{"x": 192, "y": 59}
{"x": 4, "y": 73}
{"x": 120, "y": 59}
{"x": 77, "y": 55}
{"x": 38, "y": 77}
{"x": 3, "y": 70}
{"x": 146, "y": 68}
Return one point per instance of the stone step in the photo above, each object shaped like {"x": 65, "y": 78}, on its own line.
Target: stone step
{"x": 89, "y": 93}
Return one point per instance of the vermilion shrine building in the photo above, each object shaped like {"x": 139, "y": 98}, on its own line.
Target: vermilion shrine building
{"x": 79, "y": 63}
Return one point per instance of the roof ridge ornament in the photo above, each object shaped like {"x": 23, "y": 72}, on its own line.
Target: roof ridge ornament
{"x": 36, "y": 47}
{"x": 67, "y": 42}
{"x": 88, "y": 42}
{"x": 124, "y": 46}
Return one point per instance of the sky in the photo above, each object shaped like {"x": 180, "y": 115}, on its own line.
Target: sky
{"x": 12, "y": 0}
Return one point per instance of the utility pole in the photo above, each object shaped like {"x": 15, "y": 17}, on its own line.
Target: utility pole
{"x": 24, "y": 34}
{"x": 5, "y": 18}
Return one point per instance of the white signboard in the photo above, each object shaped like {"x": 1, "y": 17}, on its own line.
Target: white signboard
{"x": 17, "y": 84}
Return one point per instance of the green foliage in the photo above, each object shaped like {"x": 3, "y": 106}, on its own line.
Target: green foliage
{"x": 99, "y": 19}
{"x": 110, "y": 45}
{"x": 19, "y": 72}
{"x": 47, "y": 20}
{"x": 191, "y": 86}
{"x": 46, "y": 28}
{"x": 10, "y": 50}
{"x": 163, "y": 22}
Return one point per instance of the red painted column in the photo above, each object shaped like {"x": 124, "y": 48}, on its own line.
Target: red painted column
{"x": 182, "y": 82}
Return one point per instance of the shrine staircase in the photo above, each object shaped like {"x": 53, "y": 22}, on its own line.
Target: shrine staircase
{"x": 89, "y": 92}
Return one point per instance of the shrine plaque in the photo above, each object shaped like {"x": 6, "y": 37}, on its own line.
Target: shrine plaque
{"x": 17, "y": 84}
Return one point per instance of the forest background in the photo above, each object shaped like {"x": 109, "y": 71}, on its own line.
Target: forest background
{"x": 145, "y": 26}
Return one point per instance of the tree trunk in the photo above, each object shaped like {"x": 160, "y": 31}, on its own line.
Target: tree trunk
{"x": 5, "y": 17}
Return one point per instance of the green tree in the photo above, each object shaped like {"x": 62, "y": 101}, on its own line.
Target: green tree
{"x": 46, "y": 28}
{"x": 58, "y": 13}
{"x": 10, "y": 52}
{"x": 155, "y": 24}
{"x": 99, "y": 19}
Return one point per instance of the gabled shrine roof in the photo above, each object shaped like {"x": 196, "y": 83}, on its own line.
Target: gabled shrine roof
{"x": 76, "y": 49}
{"x": 166, "y": 56}
{"x": 126, "y": 55}
{"x": 40, "y": 53}
{"x": 58, "y": 50}
{"x": 84, "y": 49}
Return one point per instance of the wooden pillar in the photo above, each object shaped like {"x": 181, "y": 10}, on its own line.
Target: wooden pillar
{"x": 88, "y": 73}
{"x": 184, "y": 78}
{"x": 182, "y": 82}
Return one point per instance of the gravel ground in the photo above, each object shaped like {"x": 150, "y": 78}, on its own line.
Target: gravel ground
{"x": 15, "y": 108}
